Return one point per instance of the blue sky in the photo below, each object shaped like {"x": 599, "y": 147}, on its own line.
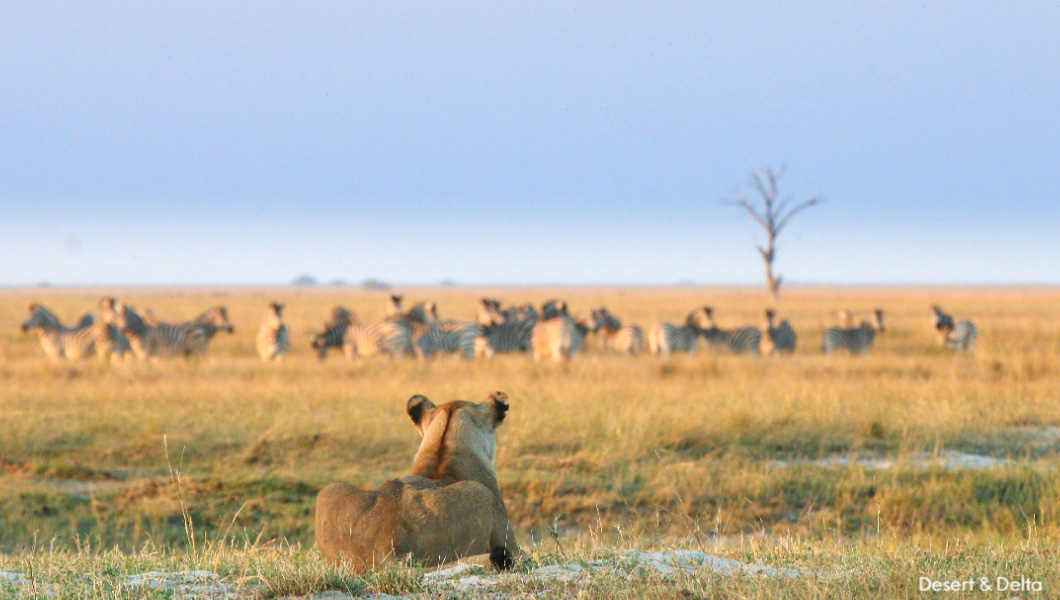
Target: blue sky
{"x": 503, "y": 142}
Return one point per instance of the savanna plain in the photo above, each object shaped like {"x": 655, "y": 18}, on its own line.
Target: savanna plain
{"x": 863, "y": 473}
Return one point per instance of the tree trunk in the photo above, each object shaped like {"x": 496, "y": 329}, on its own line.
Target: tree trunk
{"x": 768, "y": 254}
{"x": 772, "y": 281}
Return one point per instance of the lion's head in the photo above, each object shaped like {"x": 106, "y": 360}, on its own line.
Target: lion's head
{"x": 459, "y": 437}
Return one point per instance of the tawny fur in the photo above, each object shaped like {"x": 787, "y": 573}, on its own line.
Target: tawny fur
{"x": 449, "y": 508}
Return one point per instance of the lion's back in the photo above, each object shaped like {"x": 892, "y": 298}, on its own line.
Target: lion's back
{"x": 411, "y": 515}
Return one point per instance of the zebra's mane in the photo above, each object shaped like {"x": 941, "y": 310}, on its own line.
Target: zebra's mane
{"x": 43, "y": 317}
{"x": 134, "y": 323}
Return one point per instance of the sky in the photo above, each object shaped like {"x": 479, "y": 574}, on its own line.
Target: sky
{"x": 181, "y": 143}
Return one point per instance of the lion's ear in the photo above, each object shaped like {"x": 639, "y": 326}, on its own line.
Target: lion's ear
{"x": 499, "y": 403}
{"x": 417, "y": 406}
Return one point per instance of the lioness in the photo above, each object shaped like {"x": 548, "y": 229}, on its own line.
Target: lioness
{"x": 450, "y": 507}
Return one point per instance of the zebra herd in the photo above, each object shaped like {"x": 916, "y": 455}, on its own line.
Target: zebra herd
{"x": 120, "y": 331}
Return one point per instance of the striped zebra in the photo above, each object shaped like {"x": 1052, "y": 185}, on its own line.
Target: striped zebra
{"x": 334, "y": 331}
{"x": 512, "y": 334}
{"x": 41, "y": 316}
{"x": 58, "y": 341}
{"x": 385, "y": 337}
{"x": 431, "y": 335}
{"x": 665, "y": 339}
{"x": 857, "y": 340}
{"x": 559, "y": 337}
{"x": 778, "y": 339}
{"x": 330, "y": 337}
{"x": 448, "y": 337}
{"x": 210, "y": 321}
{"x": 956, "y": 335}
{"x": 624, "y": 339}
{"x": 213, "y": 320}
{"x": 153, "y": 338}
{"x": 273, "y": 339}
{"x": 110, "y": 341}
{"x": 737, "y": 341}
{"x": 87, "y": 336}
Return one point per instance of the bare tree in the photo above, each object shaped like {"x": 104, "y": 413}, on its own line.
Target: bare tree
{"x": 772, "y": 215}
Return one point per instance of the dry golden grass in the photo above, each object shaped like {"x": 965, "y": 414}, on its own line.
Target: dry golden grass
{"x": 637, "y": 452}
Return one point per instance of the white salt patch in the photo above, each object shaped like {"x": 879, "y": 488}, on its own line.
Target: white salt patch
{"x": 188, "y": 585}
{"x": 12, "y": 578}
{"x": 961, "y": 460}
{"x": 337, "y": 595}
{"x": 569, "y": 572}
{"x": 948, "y": 460}
{"x": 690, "y": 561}
{"x": 450, "y": 573}
{"x": 1046, "y": 434}
{"x": 635, "y": 563}
{"x": 156, "y": 579}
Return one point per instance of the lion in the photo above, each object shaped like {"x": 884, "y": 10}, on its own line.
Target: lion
{"x": 449, "y": 508}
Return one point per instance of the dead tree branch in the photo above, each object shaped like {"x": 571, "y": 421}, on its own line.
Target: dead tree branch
{"x": 772, "y": 216}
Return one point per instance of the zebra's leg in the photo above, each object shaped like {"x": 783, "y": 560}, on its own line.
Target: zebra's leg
{"x": 423, "y": 354}
{"x": 483, "y": 349}
{"x": 468, "y": 351}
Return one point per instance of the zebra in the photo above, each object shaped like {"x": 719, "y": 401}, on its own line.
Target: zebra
{"x": 273, "y": 339}
{"x": 42, "y": 316}
{"x": 110, "y": 341}
{"x": 431, "y": 335}
{"x": 213, "y": 320}
{"x": 778, "y": 339}
{"x": 59, "y": 341}
{"x": 664, "y": 338}
{"x": 956, "y": 335}
{"x": 150, "y": 338}
{"x": 74, "y": 343}
{"x": 331, "y": 337}
{"x": 334, "y": 331}
{"x": 511, "y": 334}
{"x": 559, "y": 337}
{"x": 736, "y": 341}
{"x": 628, "y": 339}
{"x": 858, "y": 339}
{"x": 450, "y": 336}
{"x": 385, "y": 337}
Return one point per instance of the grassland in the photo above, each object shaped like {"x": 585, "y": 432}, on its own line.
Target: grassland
{"x": 741, "y": 456}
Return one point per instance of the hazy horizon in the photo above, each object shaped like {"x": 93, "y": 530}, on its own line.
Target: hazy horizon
{"x": 398, "y": 286}
{"x": 538, "y": 144}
